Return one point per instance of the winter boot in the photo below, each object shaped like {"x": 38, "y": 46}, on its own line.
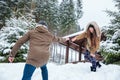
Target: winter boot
{"x": 98, "y": 64}
{"x": 93, "y": 69}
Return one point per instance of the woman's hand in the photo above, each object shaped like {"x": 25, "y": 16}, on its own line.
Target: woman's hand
{"x": 91, "y": 54}
{"x": 73, "y": 39}
{"x": 67, "y": 39}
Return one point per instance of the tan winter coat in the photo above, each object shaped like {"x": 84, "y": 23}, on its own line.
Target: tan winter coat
{"x": 84, "y": 35}
{"x": 40, "y": 39}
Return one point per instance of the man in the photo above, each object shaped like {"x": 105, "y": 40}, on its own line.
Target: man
{"x": 39, "y": 41}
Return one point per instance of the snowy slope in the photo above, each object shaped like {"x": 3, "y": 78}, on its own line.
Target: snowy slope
{"x": 80, "y": 71}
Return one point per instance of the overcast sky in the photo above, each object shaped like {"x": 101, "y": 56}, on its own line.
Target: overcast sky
{"x": 94, "y": 11}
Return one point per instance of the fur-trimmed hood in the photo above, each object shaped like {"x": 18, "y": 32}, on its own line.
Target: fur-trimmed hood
{"x": 90, "y": 48}
{"x": 98, "y": 31}
{"x": 41, "y": 28}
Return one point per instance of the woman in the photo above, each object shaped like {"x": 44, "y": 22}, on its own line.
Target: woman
{"x": 93, "y": 36}
{"x": 40, "y": 39}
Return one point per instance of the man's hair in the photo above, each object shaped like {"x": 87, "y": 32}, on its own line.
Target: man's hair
{"x": 43, "y": 23}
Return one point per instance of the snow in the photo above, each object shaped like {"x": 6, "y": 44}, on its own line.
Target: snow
{"x": 74, "y": 34}
{"x": 6, "y": 51}
{"x": 116, "y": 34}
{"x": 78, "y": 71}
{"x": 109, "y": 46}
{"x": 13, "y": 30}
{"x": 1, "y": 57}
{"x": 21, "y": 22}
{"x": 8, "y": 36}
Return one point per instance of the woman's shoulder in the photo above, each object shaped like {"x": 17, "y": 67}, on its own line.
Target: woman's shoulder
{"x": 84, "y": 33}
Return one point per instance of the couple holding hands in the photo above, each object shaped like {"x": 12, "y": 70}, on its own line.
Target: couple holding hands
{"x": 39, "y": 41}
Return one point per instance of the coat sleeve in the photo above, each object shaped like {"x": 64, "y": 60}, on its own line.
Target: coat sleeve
{"x": 58, "y": 39}
{"x": 81, "y": 36}
{"x": 19, "y": 43}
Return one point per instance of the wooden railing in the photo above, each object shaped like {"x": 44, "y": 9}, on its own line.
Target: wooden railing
{"x": 68, "y": 52}
{"x": 74, "y": 47}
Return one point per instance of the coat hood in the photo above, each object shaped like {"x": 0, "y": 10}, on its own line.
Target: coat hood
{"x": 41, "y": 28}
{"x": 97, "y": 28}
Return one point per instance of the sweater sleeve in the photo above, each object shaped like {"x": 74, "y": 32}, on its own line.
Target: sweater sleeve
{"x": 19, "y": 43}
{"x": 81, "y": 36}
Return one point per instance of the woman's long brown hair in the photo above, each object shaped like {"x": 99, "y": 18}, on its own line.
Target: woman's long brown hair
{"x": 92, "y": 36}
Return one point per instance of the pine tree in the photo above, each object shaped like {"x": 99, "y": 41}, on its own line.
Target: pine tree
{"x": 79, "y": 12}
{"x": 19, "y": 7}
{"x": 15, "y": 28}
{"x": 14, "y": 8}
{"x": 114, "y": 28}
{"x": 61, "y": 19}
{"x": 60, "y": 22}
{"x": 69, "y": 14}
{"x": 5, "y": 13}
{"x": 111, "y": 48}
{"x": 47, "y": 10}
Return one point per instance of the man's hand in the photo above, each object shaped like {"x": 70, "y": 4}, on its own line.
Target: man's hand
{"x": 11, "y": 59}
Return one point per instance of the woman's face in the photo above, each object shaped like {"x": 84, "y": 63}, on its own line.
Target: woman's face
{"x": 91, "y": 29}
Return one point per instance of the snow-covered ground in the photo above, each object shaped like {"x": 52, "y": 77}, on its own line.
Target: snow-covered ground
{"x": 80, "y": 71}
